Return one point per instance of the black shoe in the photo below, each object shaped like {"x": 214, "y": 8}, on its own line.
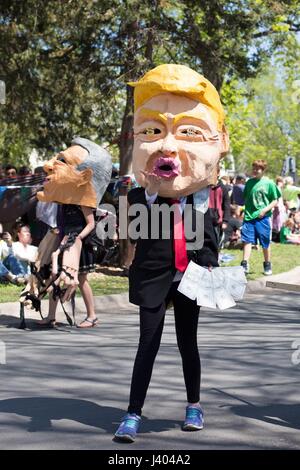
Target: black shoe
{"x": 267, "y": 268}
{"x": 245, "y": 266}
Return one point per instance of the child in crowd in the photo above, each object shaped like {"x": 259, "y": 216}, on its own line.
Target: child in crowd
{"x": 261, "y": 196}
{"x": 287, "y": 235}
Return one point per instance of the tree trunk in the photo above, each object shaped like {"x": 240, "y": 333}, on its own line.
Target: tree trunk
{"x": 213, "y": 71}
{"x": 126, "y": 137}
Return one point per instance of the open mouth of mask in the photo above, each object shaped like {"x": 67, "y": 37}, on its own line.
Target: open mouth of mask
{"x": 167, "y": 167}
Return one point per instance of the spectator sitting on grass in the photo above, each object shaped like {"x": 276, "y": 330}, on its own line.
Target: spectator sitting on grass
{"x": 21, "y": 251}
{"x": 287, "y": 235}
{"x": 232, "y": 234}
{"x": 5, "y": 273}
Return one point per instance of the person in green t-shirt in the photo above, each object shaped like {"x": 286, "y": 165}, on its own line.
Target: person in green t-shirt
{"x": 284, "y": 234}
{"x": 287, "y": 235}
{"x": 261, "y": 196}
{"x": 290, "y": 193}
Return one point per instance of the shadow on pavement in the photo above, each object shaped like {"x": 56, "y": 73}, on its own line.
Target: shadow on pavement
{"x": 42, "y": 410}
{"x": 9, "y": 321}
{"x": 279, "y": 414}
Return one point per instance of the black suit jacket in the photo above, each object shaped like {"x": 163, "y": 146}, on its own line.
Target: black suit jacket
{"x": 152, "y": 271}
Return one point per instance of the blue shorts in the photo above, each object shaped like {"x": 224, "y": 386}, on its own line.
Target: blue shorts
{"x": 257, "y": 229}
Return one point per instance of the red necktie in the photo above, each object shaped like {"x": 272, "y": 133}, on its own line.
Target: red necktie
{"x": 181, "y": 259}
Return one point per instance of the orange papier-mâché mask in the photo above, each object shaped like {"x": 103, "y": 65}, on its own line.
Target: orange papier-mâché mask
{"x": 179, "y": 131}
{"x": 78, "y": 175}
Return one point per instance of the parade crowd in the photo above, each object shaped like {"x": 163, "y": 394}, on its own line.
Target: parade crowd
{"x": 227, "y": 200}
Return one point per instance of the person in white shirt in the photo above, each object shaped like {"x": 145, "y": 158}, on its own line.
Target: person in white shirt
{"x": 5, "y": 272}
{"x": 22, "y": 251}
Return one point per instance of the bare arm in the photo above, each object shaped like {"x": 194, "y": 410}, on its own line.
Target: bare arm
{"x": 90, "y": 222}
{"x": 268, "y": 208}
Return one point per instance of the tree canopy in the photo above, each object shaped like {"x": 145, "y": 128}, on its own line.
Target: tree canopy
{"x": 263, "y": 114}
{"x": 66, "y": 64}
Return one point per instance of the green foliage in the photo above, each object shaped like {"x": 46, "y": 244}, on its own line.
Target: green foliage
{"x": 234, "y": 38}
{"x": 263, "y": 116}
{"x": 66, "y": 64}
{"x": 56, "y": 86}
{"x": 14, "y": 145}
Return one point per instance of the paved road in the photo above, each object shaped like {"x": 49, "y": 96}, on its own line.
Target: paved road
{"x": 68, "y": 389}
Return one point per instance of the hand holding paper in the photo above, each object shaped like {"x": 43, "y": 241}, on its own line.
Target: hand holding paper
{"x": 218, "y": 288}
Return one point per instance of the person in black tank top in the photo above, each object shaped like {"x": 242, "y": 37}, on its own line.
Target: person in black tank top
{"x": 76, "y": 179}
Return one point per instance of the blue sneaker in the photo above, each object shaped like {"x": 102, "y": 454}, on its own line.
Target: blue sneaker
{"x": 193, "y": 419}
{"x": 128, "y": 428}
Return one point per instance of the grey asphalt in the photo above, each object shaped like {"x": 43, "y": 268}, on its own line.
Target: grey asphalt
{"x": 68, "y": 388}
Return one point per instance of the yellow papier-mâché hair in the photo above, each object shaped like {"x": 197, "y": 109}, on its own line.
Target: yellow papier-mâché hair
{"x": 180, "y": 80}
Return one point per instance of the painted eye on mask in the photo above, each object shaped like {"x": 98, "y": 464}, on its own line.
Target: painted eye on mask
{"x": 191, "y": 132}
{"x": 151, "y": 131}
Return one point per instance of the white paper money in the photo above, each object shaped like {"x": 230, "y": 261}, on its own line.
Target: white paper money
{"x": 218, "y": 288}
{"x": 205, "y": 295}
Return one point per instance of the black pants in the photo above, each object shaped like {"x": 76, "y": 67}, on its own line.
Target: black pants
{"x": 151, "y": 326}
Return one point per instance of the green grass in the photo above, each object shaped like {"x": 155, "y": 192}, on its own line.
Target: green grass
{"x": 9, "y": 293}
{"x": 284, "y": 258}
{"x": 109, "y": 285}
{"x": 103, "y": 285}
